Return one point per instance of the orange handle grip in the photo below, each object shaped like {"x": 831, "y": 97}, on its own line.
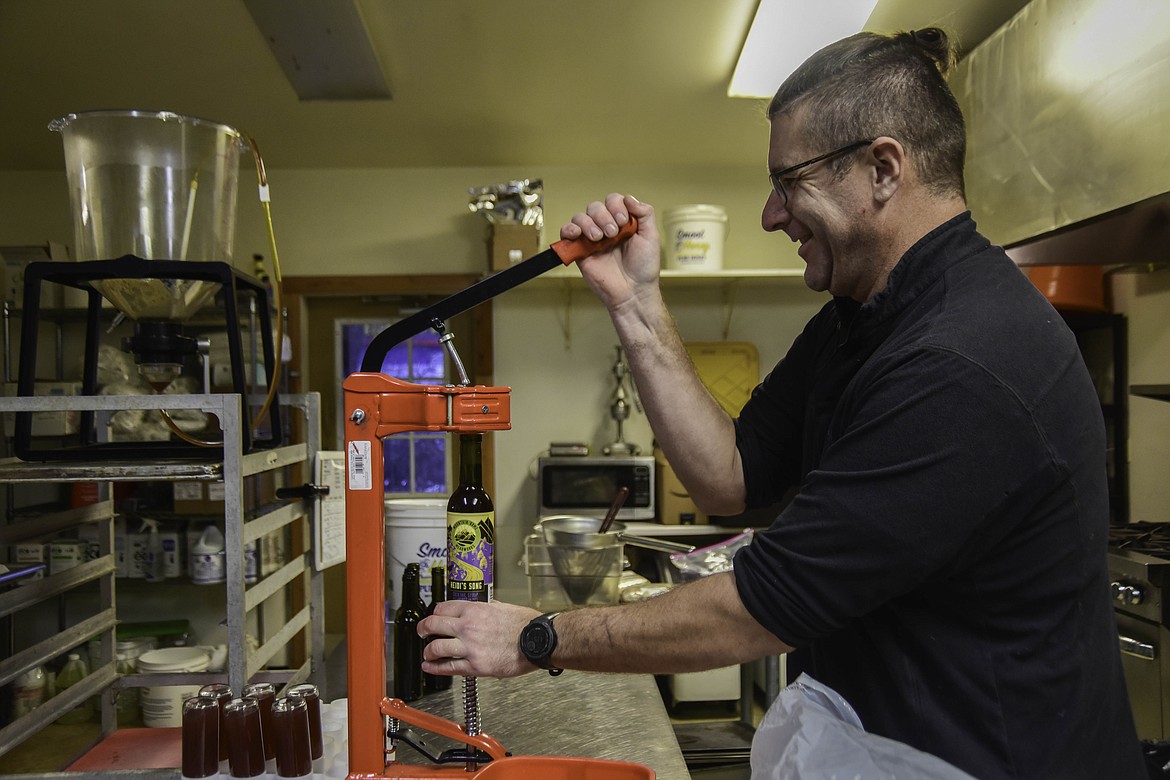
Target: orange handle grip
{"x": 579, "y": 248}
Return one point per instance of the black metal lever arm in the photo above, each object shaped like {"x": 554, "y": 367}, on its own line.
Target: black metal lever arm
{"x": 561, "y": 253}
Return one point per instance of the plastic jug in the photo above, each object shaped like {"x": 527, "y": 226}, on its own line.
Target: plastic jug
{"x": 73, "y": 672}
{"x": 153, "y": 569}
{"x": 28, "y": 692}
{"x": 207, "y": 557}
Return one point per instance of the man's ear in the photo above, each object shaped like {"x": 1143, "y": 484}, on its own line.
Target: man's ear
{"x": 887, "y": 157}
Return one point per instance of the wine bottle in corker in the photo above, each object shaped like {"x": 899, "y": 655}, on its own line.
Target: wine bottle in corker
{"x": 436, "y": 682}
{"x": 408, "y": 681}
{"x": 471, "y": 527}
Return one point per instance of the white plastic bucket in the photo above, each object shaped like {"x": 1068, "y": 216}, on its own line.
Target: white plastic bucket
{"x": 416, "y": 532}
{"x": 162, "y": 706}
{"x": 694, "y": 237}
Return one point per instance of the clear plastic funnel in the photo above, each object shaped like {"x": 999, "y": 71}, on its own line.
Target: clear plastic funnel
{"x": 157, "y": 185}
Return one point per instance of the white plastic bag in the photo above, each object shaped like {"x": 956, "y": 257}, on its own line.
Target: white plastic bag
{"x": 810, "y": 732}
{"x": 714, "y": 559}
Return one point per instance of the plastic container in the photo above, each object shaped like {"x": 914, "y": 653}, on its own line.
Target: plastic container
{"x": 157, "y": 185}
{"x": 126, "y": 654}
{"x": 694, "y": 237}
{"x": 152, "y": 571}
{"x": 28, "y": 692}
{"x": 1071, "y": 287}
{"x": 208, "y": 565}
{"x": 65, "y": 554}
{"x": 162, "y": 706}
{"x": 549, "y": 591}
{"x": 416, "y": 532}
{"x": 172, "y": 551}
{"x": 73, "y": 672}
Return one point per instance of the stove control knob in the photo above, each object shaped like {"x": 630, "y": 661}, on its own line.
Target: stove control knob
{"x": 1115, "y": 590}
{"x": 1134, "y": 595}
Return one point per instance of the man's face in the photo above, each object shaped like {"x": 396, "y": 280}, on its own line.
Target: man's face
{"x": 827, "y": 217}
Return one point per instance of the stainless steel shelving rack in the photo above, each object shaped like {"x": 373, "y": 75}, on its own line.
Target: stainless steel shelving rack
{"x": 231, "y": 467}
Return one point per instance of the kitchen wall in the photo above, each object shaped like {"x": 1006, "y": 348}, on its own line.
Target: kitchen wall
{"x": 554, "y": 344}
{"x": 1066, "y": 106}
{"x": 1145, "y": 300}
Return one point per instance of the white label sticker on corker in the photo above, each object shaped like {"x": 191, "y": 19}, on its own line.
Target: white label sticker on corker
{"x": 357, "y": 457}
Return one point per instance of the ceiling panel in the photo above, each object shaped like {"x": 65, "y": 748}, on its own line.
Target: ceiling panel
{"x": 506, "y": 83}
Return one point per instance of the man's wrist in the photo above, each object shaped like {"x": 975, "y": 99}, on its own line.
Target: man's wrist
{"x": 538, "y": 642}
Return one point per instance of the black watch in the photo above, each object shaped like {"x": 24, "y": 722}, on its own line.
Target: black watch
{"x": 538, "y": 640}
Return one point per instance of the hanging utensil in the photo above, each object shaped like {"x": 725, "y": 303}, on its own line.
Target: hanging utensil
{"x": 618, "y": 501}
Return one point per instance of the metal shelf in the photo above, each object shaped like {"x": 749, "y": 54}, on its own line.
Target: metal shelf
{"x": 1157, "y": 392}
{"x": 231, "y": 466}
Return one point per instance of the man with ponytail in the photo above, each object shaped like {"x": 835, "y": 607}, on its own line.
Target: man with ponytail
{"x": 941, "y": 562}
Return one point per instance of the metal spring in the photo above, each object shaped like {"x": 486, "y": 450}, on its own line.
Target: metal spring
{"x": 471, "y": 706}
{"x": 471, "y": 715}
{"x": 392, "y": 724}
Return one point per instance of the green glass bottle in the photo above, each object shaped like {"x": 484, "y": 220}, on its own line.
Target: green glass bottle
{"x": 408, "y": 681}
{"x": 436, "y": 682}
{"x": 471, "y": 528}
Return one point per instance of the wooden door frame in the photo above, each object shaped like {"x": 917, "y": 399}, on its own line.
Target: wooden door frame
{"x": 297, "y": 290}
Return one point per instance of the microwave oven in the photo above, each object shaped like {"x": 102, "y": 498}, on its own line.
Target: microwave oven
{"x": 575, "y": 485}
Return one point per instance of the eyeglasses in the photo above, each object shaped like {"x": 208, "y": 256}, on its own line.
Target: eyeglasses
{"x": 777, "y": 177}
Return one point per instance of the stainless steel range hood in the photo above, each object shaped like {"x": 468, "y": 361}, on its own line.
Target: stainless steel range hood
{"x": 1067, "y": 108}
{"x": 1136, "y": 235}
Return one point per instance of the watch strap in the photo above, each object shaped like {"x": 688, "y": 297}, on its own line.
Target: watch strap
{"x": 553, "y": 671}
{"x": 544, "y": 661}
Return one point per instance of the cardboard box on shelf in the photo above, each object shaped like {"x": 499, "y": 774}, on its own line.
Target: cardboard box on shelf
{"x": 207, "y": 498}
{"x": 15, "y": 260}
{"x": 512, "y": 243}
{"x": 675, "y": 506}
{"x": 46, "y": 423}
{"x": 198, "y": 498}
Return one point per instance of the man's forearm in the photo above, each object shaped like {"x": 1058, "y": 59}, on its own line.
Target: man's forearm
{"x": 692, "y": 429}
{"x": 702, "y": 625}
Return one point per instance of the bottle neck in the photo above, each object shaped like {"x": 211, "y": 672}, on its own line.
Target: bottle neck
{"x": 438, "y": 585}
{"x": 471, "y": 459}
{"x": 410, "y": 583}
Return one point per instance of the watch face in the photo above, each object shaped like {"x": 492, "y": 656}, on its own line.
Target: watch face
{"x": 537, "y": 640}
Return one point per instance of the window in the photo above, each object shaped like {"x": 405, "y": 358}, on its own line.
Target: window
{"x": 416, "y": 462}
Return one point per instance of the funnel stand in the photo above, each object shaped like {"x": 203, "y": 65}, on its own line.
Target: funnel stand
{"x": 80, "y": 276}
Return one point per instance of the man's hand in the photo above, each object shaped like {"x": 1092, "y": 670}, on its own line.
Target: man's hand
{"x": 621, "y": 274}
{"x": 476, "y": 639}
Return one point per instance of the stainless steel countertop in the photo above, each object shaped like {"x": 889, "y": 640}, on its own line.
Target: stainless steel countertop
{"x": 615, "y": 716}
{"x": 586, "y": 714}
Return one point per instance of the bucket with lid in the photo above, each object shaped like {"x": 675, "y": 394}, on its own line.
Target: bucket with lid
{"x": 694, "y": 237}
{"x": 162, "y": 705}
{"x": 416, "y": 532}
{"x": 157, "y": 185}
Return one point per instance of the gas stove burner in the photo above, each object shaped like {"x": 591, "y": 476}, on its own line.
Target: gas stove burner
{"x": 1146, "y": 538}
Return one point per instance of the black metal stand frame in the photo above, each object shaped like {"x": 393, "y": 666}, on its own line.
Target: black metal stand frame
{"x": 79, "y": 276}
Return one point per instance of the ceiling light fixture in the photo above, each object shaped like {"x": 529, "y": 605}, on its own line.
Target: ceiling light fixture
{"x": 784, "y": 33}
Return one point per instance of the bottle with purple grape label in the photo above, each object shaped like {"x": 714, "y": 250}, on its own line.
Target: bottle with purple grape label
{"x": 471, "y": 527}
